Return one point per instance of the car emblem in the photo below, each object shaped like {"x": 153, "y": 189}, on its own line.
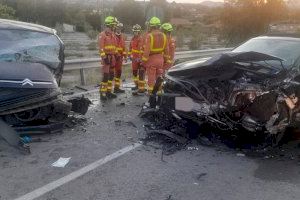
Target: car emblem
{"x": 26, "y": 81}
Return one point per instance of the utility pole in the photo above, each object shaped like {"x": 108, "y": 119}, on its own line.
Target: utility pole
{"x": 102, "y": 11}
{"x": 145, "y": 9}
{"x": 35, "y": 11}
{"x": 98, "y": 7}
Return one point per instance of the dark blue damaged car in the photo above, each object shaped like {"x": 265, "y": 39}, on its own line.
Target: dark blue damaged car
{"x": 31, "y": 65}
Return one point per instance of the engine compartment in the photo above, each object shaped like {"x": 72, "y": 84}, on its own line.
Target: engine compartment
{"x": 234, "y": 95}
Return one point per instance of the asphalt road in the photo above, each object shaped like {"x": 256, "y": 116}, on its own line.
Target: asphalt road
{"x": 198, "y": 173}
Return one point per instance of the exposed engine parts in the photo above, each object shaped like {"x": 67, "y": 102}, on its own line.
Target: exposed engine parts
{"x": 234, "y": 91}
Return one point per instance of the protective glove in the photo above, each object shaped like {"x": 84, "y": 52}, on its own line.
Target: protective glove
{"x": 138, "y": 60}
{"x": 107, "y": 59}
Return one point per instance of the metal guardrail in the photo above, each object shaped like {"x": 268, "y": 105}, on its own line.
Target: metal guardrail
{"x": 82, "y": 64}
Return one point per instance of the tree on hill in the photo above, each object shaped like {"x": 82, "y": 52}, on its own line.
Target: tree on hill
{"x": 129, "y": 12}
{"x": 7, "y": 12}
{"x": 242, "y": 19}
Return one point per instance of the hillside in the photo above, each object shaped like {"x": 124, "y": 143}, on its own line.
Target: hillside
{"x": 212, "y": 4}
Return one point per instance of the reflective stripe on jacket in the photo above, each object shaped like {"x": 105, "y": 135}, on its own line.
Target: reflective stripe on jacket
{"x": 107, "y": 43}
{"x": 156, "y": 43}
{"x": 121, "y": 48}
{"x": 135, "y": 47}
{"x": 172, "y": 47}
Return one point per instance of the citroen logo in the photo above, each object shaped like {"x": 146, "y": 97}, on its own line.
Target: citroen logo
{"x": 26, "y": 81}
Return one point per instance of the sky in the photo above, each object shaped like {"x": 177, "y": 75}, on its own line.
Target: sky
{"x": 189, "y": 1}
{"x": 193, "y": 1}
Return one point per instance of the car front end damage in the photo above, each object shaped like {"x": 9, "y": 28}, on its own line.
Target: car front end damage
{"x": 232, "y": 92}
{"x": 31, "y": 64}
{"x": 29, "y": 92}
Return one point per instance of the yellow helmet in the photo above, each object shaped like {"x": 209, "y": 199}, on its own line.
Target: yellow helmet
{"x": 167, "y": 27}
{"x": 110, "y": 20}
{"x": 154, "y": 21}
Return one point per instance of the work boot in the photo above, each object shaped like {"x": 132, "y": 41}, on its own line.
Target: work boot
{"x": 111, "y": 95}
{"x": 118, "y": 91}
{"x": 135, "y": 88}
{"x": 141, "y": 91}
{"x": 135, "y": 93}
{"x": 103, "y": 97}
{"x": 138, "y": 93}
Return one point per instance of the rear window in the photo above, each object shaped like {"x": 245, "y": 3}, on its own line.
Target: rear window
{"x": 288, "y": 50}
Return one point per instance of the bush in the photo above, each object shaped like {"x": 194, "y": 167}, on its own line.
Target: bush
{"x": 79, "y": 27}
{"x": 7, "y": 12}
{"x": 92, "y": 46}
{"x": 59, "y": 29}
{"x": 195, "y": 42}
{"x": 179, "y": 40}
{"x": 92, "y": 34}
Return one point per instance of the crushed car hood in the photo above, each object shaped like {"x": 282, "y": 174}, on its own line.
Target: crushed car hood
{"x": 197, "y": 67}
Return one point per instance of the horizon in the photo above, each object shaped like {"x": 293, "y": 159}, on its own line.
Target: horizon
{"x": 189, "y": 1}
{"x": 193, "y": 1}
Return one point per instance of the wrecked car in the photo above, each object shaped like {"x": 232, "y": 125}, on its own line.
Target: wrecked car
{"x": 254, "y": 88}
{"x": 31, "y": 64}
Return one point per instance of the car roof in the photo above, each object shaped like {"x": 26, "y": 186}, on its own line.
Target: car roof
{"x": 17, "y": 25}
{"x": 279, "y": 38}
{"x": 294, "y": 35}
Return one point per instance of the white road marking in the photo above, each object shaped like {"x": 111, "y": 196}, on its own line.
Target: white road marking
{"x": 76, "y": 174}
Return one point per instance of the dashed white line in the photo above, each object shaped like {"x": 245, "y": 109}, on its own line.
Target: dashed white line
{"x": 76, "y": 174}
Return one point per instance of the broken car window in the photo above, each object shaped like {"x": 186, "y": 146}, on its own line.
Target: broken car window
{"x": 29, "y": 46}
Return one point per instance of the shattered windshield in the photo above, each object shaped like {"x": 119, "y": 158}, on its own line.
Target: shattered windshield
{"x": 29, "y": 46}
{"x": 288, "y": 50}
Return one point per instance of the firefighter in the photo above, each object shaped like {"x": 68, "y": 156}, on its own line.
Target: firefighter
{"x": 107, "y": 49}
{"x": 155, "y": 53}
{"x": 135, "y": 50}
{"x": 167, "y": 28}
{"x": 120, "y": 56}
{"x": 142, "y": 71}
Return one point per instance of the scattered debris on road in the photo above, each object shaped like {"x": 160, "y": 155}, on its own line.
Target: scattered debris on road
{"x": 169, "y": 134}
{"x": 80, "y": 105}
{"x": 12, "y": 138}
{"x": 75, "y": 120}
{"x": 40, "y": 129}
{"x": 121, "y": 104}
{"x": 61, "y": 162}
{"x": 192, "y": 148}
{"x": 240, "y": 155}
{"x": 200, "y": 176}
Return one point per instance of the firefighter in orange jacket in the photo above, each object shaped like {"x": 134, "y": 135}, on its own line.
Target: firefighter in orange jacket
{"x": 120, "y": 57}
{"x": 135, "y": 53}
{"x": 156, "y": 53}
{"x": 167, "y": 28}
{"x": 143, "y": 70}
{"x": 107, "y": 50}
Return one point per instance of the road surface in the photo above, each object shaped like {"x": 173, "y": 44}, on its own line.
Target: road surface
{"x": 108, "y": 163}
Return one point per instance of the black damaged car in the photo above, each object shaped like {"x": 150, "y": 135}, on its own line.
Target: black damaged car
{"x": 254, "y": 88}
